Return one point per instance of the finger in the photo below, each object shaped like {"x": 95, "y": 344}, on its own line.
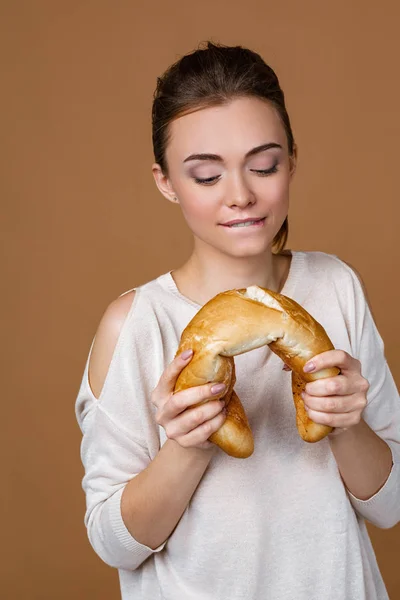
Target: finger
{"x": 171, "y": 373}
{"x": 192, "y": 418}
{"x": 179, "y": 402}
{"x": 332, "y": 358}
{"x": 201, "y": 434}
{"x": 341, "y": 420}
{"x": 330, "y": 386}
{"x": 329, "y": 404}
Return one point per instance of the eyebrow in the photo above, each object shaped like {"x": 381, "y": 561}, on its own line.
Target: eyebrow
{"x": 218, "y": 158}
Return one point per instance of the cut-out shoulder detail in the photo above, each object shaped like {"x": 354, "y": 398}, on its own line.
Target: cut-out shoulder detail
{"x": 106, "y": 339}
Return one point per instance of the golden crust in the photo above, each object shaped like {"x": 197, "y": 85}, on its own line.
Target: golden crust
{"x": 232, "y": 323}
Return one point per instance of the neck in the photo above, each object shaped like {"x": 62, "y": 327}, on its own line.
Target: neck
{"x": 204, "y": 274}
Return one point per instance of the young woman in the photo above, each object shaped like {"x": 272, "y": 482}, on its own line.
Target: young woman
{"x": 178, "y": 517}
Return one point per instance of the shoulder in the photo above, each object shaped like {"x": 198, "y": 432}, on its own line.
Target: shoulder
{"x": 337, "y": 269}
{"x": 106, "y": 338}
{"x": 331, "y": 264}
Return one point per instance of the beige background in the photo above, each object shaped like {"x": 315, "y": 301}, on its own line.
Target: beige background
{"x": 84, "y": 221}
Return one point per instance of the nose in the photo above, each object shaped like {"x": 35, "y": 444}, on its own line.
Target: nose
{"x": 238, "y": 192}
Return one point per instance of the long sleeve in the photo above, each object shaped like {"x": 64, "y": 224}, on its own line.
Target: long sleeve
{"x": 382, "y": 413}
{"x": 120, "y": 438}
{"x": 111, "y": 457}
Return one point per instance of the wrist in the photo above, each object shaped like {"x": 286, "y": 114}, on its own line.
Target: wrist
{"x": 344, "y": 434}
{"x": 190, "y": 455}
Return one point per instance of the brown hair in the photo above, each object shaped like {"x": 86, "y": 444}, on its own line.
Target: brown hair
{"x": 211, "y": 76}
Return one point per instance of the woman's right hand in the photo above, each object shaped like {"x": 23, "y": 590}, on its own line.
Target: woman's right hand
{"x": 190, "y": 426}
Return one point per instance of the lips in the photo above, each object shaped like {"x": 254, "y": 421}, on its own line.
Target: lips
{"x": 255, "y": 220}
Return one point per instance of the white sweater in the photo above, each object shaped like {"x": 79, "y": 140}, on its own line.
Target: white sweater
{"x": 279, "y": 525}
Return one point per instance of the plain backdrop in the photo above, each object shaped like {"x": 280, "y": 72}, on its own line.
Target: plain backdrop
{"x": 83, "y": 220}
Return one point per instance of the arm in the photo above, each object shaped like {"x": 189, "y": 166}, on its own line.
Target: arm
{"x": 363, "y": 458}
{"x": 363, "y": 403}
{"x": 132, "y": 504}
{"x": 362, "y": 440}
{"x": 154, "y": 501}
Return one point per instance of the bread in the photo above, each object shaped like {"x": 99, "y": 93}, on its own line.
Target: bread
{"x": 240, "y": 320}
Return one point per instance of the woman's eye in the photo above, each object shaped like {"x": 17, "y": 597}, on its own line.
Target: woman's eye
{"x": 207, "y": 181}
{"x": 265, "y": 171}
{"x": 211, "y": 180}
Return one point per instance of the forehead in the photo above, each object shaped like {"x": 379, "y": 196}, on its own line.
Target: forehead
{"x": 235, "y": 127}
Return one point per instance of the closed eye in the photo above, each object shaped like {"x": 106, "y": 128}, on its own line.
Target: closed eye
{"x": 265, "y": 171}
{"x": 262, "y": 172}
{"x": 207, "y": 181}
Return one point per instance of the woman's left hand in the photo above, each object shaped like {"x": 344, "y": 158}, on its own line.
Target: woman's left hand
{"x": 336, "y": 401}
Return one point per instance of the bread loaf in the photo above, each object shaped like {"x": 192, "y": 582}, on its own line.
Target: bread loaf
{"x": 238, "y": 321}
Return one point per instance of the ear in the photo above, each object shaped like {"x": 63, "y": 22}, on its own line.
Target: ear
{"x": 163, "y": 183}
{"x": 293, "y": 161}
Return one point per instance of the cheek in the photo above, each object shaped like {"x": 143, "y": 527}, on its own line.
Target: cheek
{"x": 197, "y": 207}
{"x": 275, "y": 192}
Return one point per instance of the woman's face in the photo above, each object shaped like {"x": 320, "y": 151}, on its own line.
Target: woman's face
{"x": 226, "y": 163}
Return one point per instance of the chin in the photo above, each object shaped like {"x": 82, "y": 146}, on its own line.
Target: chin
{"x": 242, "y": 248}
{"x": 247, "y": 251}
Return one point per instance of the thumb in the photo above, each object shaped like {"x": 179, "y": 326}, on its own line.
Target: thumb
{"x": 171, "y": 373}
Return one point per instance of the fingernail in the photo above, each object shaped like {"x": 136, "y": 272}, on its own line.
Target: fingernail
{"x": 185, "y": 355}
{"x": 217, "y": 388}
{"x": 309, "y": 367}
